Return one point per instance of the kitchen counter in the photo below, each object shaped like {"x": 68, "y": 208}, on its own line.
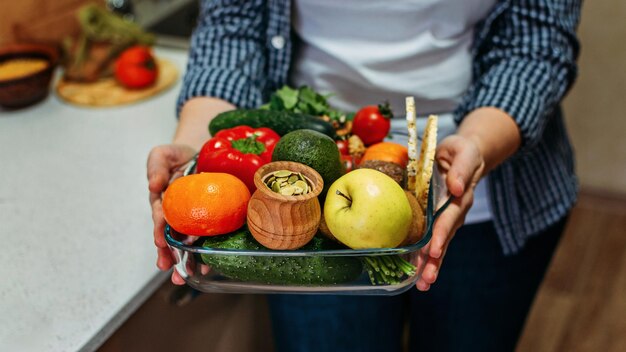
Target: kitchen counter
{"x": 75, "y": 221}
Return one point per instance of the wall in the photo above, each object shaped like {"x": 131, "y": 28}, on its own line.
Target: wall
{"x": 595, "y": 108}
{"x": 38, "y": 20}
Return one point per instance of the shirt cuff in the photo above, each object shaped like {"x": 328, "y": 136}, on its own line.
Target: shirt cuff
{"x": 229, "y": 85}
{"x": 512, "y": 92}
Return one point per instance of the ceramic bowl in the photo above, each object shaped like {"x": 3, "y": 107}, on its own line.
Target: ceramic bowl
{"x": 29, "y": 89}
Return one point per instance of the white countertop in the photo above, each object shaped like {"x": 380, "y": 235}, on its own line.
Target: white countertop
{"x": 75, "y": 223}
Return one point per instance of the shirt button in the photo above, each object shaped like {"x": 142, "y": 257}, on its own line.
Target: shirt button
{"x": 278, "y": 42}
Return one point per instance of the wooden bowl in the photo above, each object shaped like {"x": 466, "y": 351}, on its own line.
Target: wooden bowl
{"x": 27, "y": 90}
{"x": 284, "y": 222}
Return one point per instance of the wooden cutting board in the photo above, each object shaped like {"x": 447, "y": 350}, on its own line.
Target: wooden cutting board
{"x": 107, "y": 92}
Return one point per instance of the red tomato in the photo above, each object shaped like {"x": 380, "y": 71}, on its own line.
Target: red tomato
{"x": 372, "y": 124}
{"x": 348, "y": 162}
{"x": 342, "y": 144}
{"x": 136, "y": 68}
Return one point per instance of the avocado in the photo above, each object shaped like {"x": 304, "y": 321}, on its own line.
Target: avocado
{"x": 314, "y": 149}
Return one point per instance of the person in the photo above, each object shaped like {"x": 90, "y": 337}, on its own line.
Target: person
{"x": 494, "y": 70}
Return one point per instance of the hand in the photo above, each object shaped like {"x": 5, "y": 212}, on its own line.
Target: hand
{"x": 164, "y": 165}
{"x": 461, "y": 161}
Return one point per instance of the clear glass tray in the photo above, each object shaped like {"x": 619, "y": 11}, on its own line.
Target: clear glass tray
{"x": 349, "y": 277}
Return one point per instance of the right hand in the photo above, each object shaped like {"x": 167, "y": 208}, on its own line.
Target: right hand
{"x": 462, "y": 163}
{"x": 164, "y": 165}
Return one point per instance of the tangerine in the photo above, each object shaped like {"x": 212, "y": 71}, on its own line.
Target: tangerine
{"x": 387, "y": 151}
{"x": 206, "y": 204}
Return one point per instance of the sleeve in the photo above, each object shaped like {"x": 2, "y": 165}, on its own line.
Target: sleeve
{"x": 227, "y": 56}
{"x": 526, "y": 63}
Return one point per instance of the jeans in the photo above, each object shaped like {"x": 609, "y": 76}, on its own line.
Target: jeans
{"x": 479, "y": 303}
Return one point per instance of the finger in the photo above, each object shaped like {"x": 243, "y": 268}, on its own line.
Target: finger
{"x": 204, "y": 269}
{"x": 464, "y": 167}
{"x": 422, "y": 257}
{"x": 430, "y": 272}
{"x": 432, "y": 267}
{"x": 164, "y": 259}
{"x": 176, "y": 278}
{"x": 158, "y": 220}
{"x": 446, "y": 152}
{"x": 448, "y": 222}
{"x": 433, "y": 264}
{"x": 443, "y": 228}
{"x": 158, "y": 169}
{"x": 422, "y": 285}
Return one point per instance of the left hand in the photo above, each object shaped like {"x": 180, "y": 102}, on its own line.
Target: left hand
{"x": 462, "y": 163}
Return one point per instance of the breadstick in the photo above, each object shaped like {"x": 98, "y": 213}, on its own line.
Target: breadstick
{"x": 411, "y": 167}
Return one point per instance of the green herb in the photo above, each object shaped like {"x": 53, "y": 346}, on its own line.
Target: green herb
{"x": 101, "y": 25}
{"x": 288, "y": 96}
{"x": 304, "y": 100}
{"x": 387, "y": 270}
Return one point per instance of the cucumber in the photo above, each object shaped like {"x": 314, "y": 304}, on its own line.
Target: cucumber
{"x": 300, "y": 271}
{"x": 282, "y": 122}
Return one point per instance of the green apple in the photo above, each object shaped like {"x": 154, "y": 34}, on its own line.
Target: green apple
{"x": 367, "y": 209}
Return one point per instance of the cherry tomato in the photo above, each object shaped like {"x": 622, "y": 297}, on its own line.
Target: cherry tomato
{"x": 372, "y": 124}
{"x": 342, "y": 144}
{"x": 348, "y": 162}
{"x": 136, "y": 68}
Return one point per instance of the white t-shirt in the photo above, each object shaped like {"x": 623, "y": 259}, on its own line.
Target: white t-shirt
{"x": 368, "y": 51}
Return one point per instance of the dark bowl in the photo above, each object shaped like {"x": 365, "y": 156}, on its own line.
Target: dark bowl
{"x": 27, "y": 90}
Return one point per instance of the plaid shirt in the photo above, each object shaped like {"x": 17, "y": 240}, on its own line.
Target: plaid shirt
{"x": 524, "y": 63}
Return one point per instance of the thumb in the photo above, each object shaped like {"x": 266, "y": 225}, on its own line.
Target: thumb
{"x": 162, "y": 160}
{"x": 158, "y": 169}
{"x": 464, "y": 162}
{"x": 457, "y": 178}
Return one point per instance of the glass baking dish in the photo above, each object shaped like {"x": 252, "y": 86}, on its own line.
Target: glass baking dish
{"x": 345, "y": 273}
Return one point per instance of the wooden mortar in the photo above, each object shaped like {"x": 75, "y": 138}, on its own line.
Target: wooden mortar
{"x": 284, "y": 222}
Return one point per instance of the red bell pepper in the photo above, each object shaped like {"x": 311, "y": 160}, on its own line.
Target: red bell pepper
{"x": 238, "y": 151}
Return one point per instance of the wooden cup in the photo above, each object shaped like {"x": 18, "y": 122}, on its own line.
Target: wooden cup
{"x": 284, "y": 222}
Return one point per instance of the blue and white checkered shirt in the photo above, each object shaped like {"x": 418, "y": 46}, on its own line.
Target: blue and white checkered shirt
{"x": 524, "y": 63}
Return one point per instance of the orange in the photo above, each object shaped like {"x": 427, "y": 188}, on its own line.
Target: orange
{"x": 206, "y": 204}
{"x": 387, "y": 151}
